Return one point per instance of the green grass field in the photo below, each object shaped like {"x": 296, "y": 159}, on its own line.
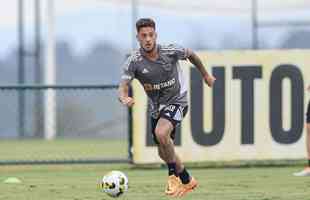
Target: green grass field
{"x": 62, "y": 149}
{"x": 80, "y": 182}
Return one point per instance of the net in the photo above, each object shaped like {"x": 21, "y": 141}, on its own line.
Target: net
{"x": 90, "y": 124}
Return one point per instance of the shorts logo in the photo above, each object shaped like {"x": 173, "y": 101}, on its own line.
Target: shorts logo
{"x": 168, "y": 114}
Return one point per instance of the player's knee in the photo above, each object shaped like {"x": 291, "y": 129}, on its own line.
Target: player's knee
{"x": 162, "y": 136}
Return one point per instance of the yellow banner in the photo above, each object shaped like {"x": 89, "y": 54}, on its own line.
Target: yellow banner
{"x": 255, "y": 111}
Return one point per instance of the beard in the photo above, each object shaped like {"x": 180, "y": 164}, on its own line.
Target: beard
{"x": 149, "y": 50}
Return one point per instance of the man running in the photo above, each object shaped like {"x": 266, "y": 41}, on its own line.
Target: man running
{"x": 157, "y": 68}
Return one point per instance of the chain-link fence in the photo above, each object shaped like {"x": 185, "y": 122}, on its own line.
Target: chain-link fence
{"x": 89, "y": 124}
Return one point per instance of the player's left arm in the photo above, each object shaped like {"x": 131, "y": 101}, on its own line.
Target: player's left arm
{"x": 196, "y": 61}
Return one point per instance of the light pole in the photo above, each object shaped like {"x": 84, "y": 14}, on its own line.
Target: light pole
{"x": 134, "y": 17}
{"x": 50, "y": 125}
{"x": 21, "y": 69}
{"x": 254, "y": 25}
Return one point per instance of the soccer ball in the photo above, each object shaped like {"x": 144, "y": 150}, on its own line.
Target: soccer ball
{"x": 115, "y": 183}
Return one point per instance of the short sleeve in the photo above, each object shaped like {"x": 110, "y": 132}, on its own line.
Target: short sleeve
{"x": 180, "y": 52}
{"x": 128, "y": 72}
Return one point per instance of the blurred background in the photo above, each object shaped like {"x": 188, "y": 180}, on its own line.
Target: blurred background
{"x": 91, "y": 38}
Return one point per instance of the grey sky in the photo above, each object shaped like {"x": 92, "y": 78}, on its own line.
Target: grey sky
{"x": 86, "y": 21}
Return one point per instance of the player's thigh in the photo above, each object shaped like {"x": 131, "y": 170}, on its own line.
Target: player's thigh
{"x": 164, "y": 127}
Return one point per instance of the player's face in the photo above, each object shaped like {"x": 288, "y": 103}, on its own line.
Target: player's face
{"x": 147, "y": 38}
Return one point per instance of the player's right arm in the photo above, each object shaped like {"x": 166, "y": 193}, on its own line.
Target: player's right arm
{"x": 128, "y": 74}
{"x": 123, "y": 91}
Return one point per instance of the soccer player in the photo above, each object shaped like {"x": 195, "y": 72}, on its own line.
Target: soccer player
{"x": 306, "y": 170}
{"x": 157, "y": 68}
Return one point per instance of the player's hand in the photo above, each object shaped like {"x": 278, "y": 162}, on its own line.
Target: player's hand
{"x": 209, "y": 79}
{"x": 127, "y": 101}
{"x": 308, "y": 88}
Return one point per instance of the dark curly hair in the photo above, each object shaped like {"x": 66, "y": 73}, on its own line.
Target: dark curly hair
{"x": 145, "y": 22}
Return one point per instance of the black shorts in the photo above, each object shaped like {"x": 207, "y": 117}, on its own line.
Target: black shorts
{"x": 173, "y": 113}
{"x": 308, "y": 113}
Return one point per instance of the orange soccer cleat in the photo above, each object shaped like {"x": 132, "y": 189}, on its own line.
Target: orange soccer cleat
{"x": 186, "y": 188}
{"x": 173, "y": 185}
